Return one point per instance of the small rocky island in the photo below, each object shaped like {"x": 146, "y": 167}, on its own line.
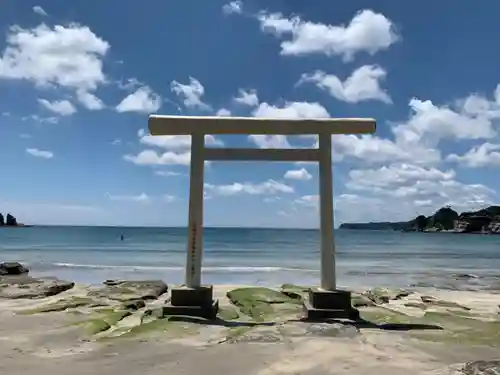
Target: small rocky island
{"x": 483, "y": 221}
{"x": 9, "y": 221}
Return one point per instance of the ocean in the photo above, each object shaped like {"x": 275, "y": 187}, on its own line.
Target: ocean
{"x": 256, "y": 256}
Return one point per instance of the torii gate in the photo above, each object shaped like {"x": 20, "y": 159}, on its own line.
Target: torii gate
{"x": 197, "y": 300}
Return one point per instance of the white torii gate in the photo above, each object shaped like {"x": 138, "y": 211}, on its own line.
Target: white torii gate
{"x": 198, "y": 127}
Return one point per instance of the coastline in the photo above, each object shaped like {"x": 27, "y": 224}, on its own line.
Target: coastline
{"x": 121, "y": 327}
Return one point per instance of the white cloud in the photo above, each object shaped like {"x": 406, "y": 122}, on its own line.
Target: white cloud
{"x": 430, "y": 123}
{"x": 395, "y": 175}
{"x": 400, "y": 192}
{"x": 177, "y": 147}
{"x": 61, "y": 107}
{"x": 483, "y": 155}
{"x": 167, "y": 173}
{"x": 89, "y": 100}
{"x": 174, "y": 142}
{"x": 362, "y": 85}
{"x": 151, "y": 157}
{"x": 233, "y": 7}
{"x": 190, "y": 93}
{"x": 373, "y": 149}
{"x": 367, "y": 32}
{"x": 223, "y": 112}
{"x": 298, "y": 174}
{"x": 292, "y": 110}
{"x": 270, "y": 187}
{"x": 269, "y": 141}
{"x": 308, "y": 200}
{"x": 141, "y": 198}
{"x": 70, "y": 57}
{"x": 116, "y": 141}
{"x": 40, "y": 153}
{"x": 248, "y": 98}
{"x": 39, "y": 10}
{"x": 129, "y": 84}
{"x": 143, "y": 100}
{"x": 416, "y": 140}
{"x": 409, "y": 188}
{"x": 169, "y": 198}
{"x": 41, "y": 120}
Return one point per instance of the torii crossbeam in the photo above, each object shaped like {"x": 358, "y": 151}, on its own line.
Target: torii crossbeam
{"x": 195, "y": 299}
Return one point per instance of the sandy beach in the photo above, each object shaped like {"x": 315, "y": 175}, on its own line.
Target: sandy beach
{"x": 120, "y": 328}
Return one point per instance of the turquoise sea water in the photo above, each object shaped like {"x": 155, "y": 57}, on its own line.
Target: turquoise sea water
{"x": 255, "y": 256}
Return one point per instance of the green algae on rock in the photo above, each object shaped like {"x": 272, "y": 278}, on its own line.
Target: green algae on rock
{"x": 125, "y": 291}
{"x": 260, "y": 303}
{"x": 63, "y": 304}
{"x": 359, "y": 300}
{"x": 380, "y": 315}
{"x": 96, "y": 326}
{"x": 162, "y": 326}
{"x": 295, "y": 291}
{"x": 134, "y": 304}
{"x": 383, "y": 295}
{"x": 228, "y": 312}
{"x": 443, "y": 303}
{"x": 416, "y": 305}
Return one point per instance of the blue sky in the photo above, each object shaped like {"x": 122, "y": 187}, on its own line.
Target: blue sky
{"x": 78, "y": 81}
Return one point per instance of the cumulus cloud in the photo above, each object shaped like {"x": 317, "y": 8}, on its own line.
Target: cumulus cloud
{"x": 223, "y": 112}
{"x": 40, "y": 11}
{"x": 89, "y": 100}
{"x": 177, "y": 149}
{"x": 270, "y": 187}
{"x": 69, "y": 57}
{"x": 248, "y": 98}
{"x": 408, "y": 188}
{"x": 190, "y": 93}
{"x": 233, "y": 7}
{"x": 291, "y": 110}
{"x": 61, "y": 107}
{"x": 152, "y": 157}
{"x": 143, "y": 100}
{"x": 368, "y": 32}
{"x": 66, "y": 56}
{"x": 484, "y": 155}
{"x": 362, "y": 85}
{"x": 140, "y": 198}
{"x": 269, "y": 141}
{"x": 298, "y": 174}
{"x": 40, "y": 153}
{"x": 174, "y": 141}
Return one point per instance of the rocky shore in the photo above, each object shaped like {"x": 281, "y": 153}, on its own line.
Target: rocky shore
{"x": 49, "y": 325}
{"x": 444, "y": 220}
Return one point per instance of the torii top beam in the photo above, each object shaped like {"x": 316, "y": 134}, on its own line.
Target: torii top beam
{"x": 192, "y": 125}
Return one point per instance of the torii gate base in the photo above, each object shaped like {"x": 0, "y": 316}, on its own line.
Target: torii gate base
{"x": 329, "y": 304}
{"x": 197, "y": 301}
{"x": 194, "y": 299}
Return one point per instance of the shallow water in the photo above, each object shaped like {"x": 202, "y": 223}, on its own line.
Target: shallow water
{"x": 256, "y": 256}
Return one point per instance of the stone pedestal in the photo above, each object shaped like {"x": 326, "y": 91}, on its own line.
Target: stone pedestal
{"x": 329, "y": 304}
{"x": 196, "y": 301}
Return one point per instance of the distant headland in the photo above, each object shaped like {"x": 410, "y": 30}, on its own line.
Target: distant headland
{"x": 484, "y": 221}
{"x": 9, "y": 221}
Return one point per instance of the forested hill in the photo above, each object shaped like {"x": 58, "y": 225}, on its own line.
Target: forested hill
{"x": 445, "y": 219}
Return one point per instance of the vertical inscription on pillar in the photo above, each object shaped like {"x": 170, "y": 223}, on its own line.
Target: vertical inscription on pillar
{"x": 192, "y": 249}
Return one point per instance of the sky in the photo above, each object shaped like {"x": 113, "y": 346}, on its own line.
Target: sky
{"x": 78, "y": 81}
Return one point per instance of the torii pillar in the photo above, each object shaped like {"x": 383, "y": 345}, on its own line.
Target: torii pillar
{"x": 196, "y": 299}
